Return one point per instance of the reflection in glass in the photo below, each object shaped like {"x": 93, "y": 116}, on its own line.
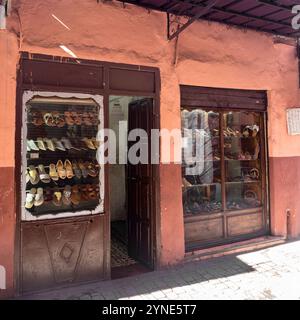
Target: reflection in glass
{"x": 201, "y": 171}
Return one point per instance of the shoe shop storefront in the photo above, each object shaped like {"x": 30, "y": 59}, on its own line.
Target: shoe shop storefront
{"x": 65, "y": 217}
{"x": 64, "y": 224}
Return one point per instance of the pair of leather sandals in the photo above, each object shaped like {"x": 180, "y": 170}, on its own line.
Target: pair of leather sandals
{"x": 34, "y": 198}
{"x": 71, "y": 195}
{"x": 36, "y": 118}
{"x": 54, "y": 119}
{"x": 61, "y": 170}
{"x": 76, "y": 118}
{"x": 58, "y": 197}
{"x": 35, "y": 175}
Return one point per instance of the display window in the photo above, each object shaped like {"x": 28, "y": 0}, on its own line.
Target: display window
{"x": 226, "y": 173}
{"x": 61, "y": 174}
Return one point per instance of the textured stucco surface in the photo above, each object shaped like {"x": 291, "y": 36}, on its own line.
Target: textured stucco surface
{"x": 209, "y": 54}
{"x": 8, "y": 63}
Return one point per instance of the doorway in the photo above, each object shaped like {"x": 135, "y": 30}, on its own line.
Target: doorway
{"x": 131, "y": 186}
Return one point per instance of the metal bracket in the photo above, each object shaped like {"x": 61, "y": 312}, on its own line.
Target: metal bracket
{"x": 175, "y": 27}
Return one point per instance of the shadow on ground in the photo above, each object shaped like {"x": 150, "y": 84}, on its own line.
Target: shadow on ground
{"x": 172, "y": 279}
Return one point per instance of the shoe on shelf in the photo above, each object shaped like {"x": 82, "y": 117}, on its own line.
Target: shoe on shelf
{"x": 32, "y": 146}
{"x": 53, "y": 172}
{"x": 44, "y": 177}
{"x": 30, "y": 198}
{"x": 66, "y": 195}
{"x": 61, "y": 170}
{"x": 95, "y": 142}
{"x": 41, "y": 144}
{"x": 91, "y": 168}
{"x": 48, "y": 119}
{"x": 76, "y": 195}
{"x": 89, "y": 143}
{"x": 67, "y": 143}
{"x": 50, "y": 144}
{"x": 76, "y": 169}
{"x": 83, "y": 169}
{"x": 33, "y": 175}
{"x": 48, "y": 194}
{"x": 57, "y": 198}
{"x": 69, "y": 169}
{"x": 39, "y": 197}
{"x": 58, "y": 144}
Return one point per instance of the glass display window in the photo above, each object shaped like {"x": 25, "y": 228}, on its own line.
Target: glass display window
{"x": 226, "y": 174}
{"x": 61, "y": 173}
{"x": 201, "y": 175}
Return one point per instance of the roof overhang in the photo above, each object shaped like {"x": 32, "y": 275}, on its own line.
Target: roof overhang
{"x": 272, "y": 16}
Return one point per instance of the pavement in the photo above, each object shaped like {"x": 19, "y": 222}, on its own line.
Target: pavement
{"x": 267, "y": 274}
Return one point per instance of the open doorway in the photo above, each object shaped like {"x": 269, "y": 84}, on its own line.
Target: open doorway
{"x": 131, "y": 187}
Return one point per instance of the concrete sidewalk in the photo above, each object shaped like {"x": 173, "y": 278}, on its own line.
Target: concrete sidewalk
{"x": 272, "y": 273}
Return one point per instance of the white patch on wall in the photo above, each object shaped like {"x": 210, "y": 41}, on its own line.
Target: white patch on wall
{"x": 2, "y": 278}
{"x": 293, "y": 121}
{"x": 2, "y": 17}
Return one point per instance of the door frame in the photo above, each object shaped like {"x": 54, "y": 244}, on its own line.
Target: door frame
{"x": 106, "y": 89}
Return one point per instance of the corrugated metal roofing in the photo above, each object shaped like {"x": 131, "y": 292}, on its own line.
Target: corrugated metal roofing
{"x": 262, "y": 15}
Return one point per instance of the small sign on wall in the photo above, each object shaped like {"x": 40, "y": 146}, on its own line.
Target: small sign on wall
{"x": 293, "y": 121}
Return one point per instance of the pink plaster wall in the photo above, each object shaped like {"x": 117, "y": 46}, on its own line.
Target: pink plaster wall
{"x": 8, "y": 65}
{"x": 209, "y": 54}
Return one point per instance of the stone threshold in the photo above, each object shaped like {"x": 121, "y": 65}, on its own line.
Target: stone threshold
{"x": 234, "y": 248}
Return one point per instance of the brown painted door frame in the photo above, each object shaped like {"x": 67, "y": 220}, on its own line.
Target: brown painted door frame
{"x": 103, "y": 78}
